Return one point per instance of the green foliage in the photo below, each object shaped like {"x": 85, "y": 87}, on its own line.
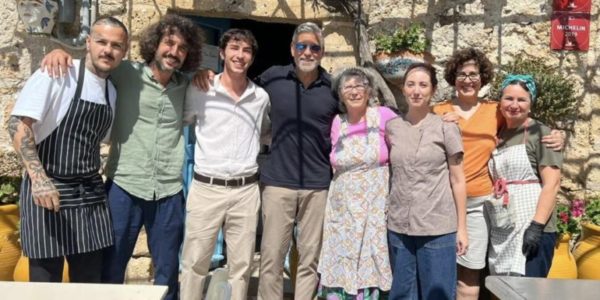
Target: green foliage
{"x": 411, "y": 38}
{"x": 556, "y": 101}
{"x": 592, "y": 211}
{"x": 9, "y": 190}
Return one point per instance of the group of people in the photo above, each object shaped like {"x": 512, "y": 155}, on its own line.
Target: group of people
{"x": 379, "y": 204}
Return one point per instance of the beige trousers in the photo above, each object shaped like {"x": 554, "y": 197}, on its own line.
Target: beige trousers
{"x": 280, "y": 208}
{"x": 208, "y": 207}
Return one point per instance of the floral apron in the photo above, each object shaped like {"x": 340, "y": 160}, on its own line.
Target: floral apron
{"x": 354, "y": 255}
{"x": 516, "y": 182}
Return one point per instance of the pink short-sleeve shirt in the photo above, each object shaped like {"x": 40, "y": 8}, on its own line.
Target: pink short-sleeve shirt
{"x": 360, "y": 128}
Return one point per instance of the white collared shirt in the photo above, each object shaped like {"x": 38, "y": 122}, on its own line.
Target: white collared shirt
{"x": 227, "y": 132}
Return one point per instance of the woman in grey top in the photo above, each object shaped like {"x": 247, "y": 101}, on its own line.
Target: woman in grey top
{"x": 427, "y": 204}
{"x": 526, "y": 178}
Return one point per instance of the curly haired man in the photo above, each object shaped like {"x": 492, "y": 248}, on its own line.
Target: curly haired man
{"x": 144, "y": 166}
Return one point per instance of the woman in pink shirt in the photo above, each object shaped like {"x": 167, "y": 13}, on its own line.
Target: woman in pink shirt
{"x": 354, "y": 261}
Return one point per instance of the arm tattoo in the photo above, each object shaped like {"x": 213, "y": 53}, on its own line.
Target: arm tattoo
{"x": 13, "y": 125}
{"x": 29, "y": 154}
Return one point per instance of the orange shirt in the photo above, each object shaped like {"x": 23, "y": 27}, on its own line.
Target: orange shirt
{"x": 479, "y": 140}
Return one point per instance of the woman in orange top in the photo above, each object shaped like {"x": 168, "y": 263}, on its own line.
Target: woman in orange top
{"x": 479, "y": 121}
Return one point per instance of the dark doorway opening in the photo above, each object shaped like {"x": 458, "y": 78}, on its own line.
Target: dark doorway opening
{"x": 273, "y": 39}
{"x": 273, "y": 44}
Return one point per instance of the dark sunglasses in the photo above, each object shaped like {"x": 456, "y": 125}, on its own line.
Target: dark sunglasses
{"x": 300, "y": 47}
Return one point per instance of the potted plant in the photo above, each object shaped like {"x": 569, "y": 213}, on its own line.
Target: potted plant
{"x": 10, "y": 249}
{"x": 587, "y": 250}
{"x": 396, "y": 51}
{"x": 568, "y": 227}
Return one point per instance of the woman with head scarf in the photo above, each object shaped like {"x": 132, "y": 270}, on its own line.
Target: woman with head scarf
{"x": 526, "y": 177}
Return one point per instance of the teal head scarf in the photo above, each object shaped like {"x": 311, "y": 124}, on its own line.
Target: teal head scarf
{"x": 526, "y": 79}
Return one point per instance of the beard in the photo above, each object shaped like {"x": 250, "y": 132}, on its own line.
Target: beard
{"x": 163, "y": 66}
{"x": 306, "y": 65}
{"x": 102, "y": 65}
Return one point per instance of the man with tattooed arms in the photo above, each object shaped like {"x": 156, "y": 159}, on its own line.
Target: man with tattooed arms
{"x": 56, "y": 127}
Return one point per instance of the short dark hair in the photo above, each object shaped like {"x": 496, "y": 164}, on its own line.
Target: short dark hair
{"x": 112, "y": 21}
{"x": 425, "y": 67}
{"x": 486, "y": 69}
{"x": 171, "y": 24}
{"x": 238, "y": 34}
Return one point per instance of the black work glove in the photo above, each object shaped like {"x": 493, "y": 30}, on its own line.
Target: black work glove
{"x": 532, "y": 237}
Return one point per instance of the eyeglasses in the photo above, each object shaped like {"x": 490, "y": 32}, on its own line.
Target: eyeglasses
{"x": 472, "y": 76}
{"x": 300, "y": 47}
{"x": 359, "y": 88}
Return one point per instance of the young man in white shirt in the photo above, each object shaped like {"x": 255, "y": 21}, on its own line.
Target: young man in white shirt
{"x": 228, "y": 123}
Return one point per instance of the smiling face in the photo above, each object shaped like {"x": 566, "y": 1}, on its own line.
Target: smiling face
{"x": 171, "y": 52}
{"x": 355, "y": 94}
{"x": 237, "y": 56}
{"x": 418, "y": 89}
{"x": 515, "y": 103}
{"x": 107, "y": 45}
{"x": 305, "y": 54}
{"x": 468, "y": 80}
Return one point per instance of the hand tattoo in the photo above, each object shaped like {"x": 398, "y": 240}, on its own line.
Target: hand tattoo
{"x": 42, "y": 186}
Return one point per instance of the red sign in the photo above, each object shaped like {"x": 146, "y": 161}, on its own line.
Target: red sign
{"x": 570, "y": 31}
{"x": 572, "y": 5}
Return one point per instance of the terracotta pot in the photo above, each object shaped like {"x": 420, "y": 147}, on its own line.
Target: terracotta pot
{"x": 10, "y": 249}
{"x": 22, "y": 270}
{"x": 563, "y": 263}
{"x": 587, "y": 252}
{"x": 392, "y": 66}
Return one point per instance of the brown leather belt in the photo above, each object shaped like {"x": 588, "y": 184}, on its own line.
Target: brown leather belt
{"x": 233, "y": 182}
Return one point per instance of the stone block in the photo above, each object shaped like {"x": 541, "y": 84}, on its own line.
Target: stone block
{"x": 139, "y": 271}
{"x": 141, "y": 246}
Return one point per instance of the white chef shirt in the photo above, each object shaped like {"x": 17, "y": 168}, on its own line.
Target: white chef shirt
{"x": 47, "y": 99}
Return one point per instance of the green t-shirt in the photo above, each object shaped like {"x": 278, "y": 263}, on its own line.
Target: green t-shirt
{"x": 538, "y": 153}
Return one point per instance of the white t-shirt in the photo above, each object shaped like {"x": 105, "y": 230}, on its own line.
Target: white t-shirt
{"x": 227, "y": 132}
{"x": 47, "y": 100}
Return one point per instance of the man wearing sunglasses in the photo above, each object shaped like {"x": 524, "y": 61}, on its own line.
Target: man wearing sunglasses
{"x": 296, "y": 173}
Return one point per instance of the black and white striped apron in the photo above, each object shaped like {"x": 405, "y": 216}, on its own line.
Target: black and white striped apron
{"x": 71, "y": 157}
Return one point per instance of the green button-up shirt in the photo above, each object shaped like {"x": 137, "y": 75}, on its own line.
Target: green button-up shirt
{"x": 146, "y": 156}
